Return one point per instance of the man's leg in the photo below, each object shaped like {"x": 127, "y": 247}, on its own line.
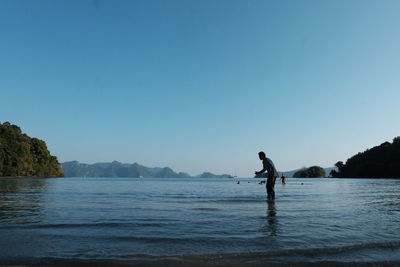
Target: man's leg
{"x": 271, "y": 182}
{"x": 272, "y": 191}
{"x": 270, "y": 188}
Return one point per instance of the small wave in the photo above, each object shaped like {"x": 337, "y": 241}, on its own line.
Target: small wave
{"x": 84, "y": 225}
{"x": 298, "y": 255}
{"x": 273, "y": 258}
{"x": 261, "y": 200}
{"x": 167, "y": 241}
{"x": 206, "y": 209}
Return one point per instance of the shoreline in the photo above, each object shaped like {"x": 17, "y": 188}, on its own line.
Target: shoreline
{"x": 216, "y": 261}
{"x": 46, "y": 177}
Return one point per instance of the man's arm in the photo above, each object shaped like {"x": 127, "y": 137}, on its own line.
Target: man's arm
{"x": 265, "y": 167}
{"x": 260, "y": 172}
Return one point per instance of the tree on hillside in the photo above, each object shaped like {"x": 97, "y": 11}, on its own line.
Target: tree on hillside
{"x": 381, "y": 161}
{"x": 21, "y": 155}
{"x": 339, "y": 165}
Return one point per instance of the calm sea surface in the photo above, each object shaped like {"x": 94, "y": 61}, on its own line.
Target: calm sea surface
{"x": 326, "y": 221}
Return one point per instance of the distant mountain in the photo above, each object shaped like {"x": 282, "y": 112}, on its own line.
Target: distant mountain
{"x": 291, "y": 173}
{"x": 211, "y": 175}
{"x": 328, "y": 171}
{"x": 118, "y": 169}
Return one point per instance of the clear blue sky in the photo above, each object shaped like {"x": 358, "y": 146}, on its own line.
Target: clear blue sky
{"x": 202, "y": 85}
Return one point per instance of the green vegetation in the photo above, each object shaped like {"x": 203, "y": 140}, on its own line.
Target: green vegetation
{"x": 378, "y": 162}
{"x": 23, "y": 156}
{"x": 312, "y": 172}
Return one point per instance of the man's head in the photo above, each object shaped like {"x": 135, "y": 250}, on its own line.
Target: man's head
{"x": 261, "y": 155}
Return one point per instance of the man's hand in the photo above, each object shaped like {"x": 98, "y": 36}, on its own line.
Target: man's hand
{"x": 257, "y": 173}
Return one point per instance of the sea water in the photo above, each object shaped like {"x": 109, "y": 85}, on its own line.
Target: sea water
{"x": 207, "y": 220}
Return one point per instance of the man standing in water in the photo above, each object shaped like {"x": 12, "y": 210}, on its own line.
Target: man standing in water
{"x": 268, "y": 166}
{"x": 283, "y": 179}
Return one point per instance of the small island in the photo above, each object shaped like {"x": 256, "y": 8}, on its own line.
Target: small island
{"x": 23, "y": 156}
{"x": 311, "y": 172}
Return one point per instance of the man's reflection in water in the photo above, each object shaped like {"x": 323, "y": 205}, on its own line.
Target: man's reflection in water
{"x": 272, "y": 221}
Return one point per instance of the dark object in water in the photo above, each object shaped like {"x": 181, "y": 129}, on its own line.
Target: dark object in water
{"x": 283, "y": 179}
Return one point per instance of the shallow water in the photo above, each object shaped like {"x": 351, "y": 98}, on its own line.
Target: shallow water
{"x": 211, "y": 220}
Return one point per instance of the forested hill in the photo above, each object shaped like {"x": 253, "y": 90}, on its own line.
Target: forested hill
{"x": 21, "y": 155}
{"x": 118, "y": 169}
{"x": 311, "y": 172}
{"x": 378, "y": 162}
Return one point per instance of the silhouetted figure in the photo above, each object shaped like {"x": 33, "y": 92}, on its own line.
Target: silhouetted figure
{"x": 268, "y": 166}
{"x": 283, "y": 179}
